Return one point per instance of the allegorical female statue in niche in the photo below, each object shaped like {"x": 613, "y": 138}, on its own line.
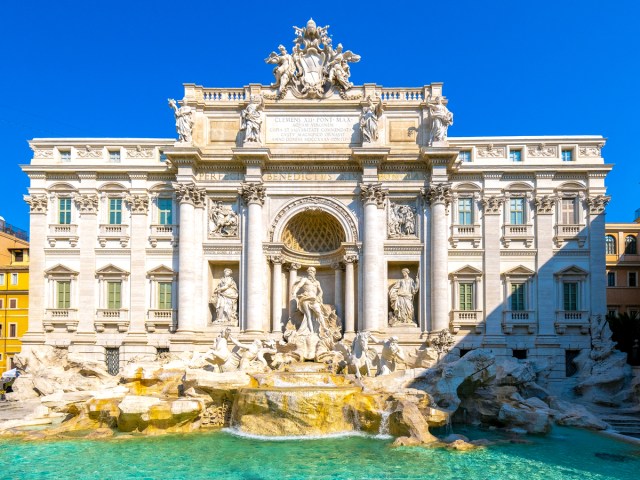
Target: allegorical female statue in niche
{"x": 225, "y": 299}
{"x": 401, "y": 296}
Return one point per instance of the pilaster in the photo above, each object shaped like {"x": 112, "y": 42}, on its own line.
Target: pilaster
{"x": 596, "y": 205}
{"x": 546, "y": 294}
{"x": 492, "y": 207}
{"x": 349, "y": 293}
{"x": 276, "y": 293}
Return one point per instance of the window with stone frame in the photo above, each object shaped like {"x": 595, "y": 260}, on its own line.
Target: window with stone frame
{"x": 611, "y": 279}
{"x": 465, "y": 211}
{"x": 464, "y": 156}
{"x": 14, "y": 279}
{"x": 113, "y": 284}
{"x": 567, "y": 155}
{"x": 515, "y": 155}
{"x": 61, "y": 287}
{"x": 2, "y": 278}
{"x": 517, "y": 211}
{"x": 572, "y": 289}
{"x": 114, "y": 295}
{"x": 165, "y": 211}
{"x": 518, "y": 297}
{"x": 64, "y": 210}
{"x": 13, "y": 303}
{"x": 630, "y": 245}
{"x": 568, "y": 211}
{"x": 466, "y": 296}
{"x": 165, "y": 295}
{"x": 63, "y": 294}
{"x": 13, "y": 330}
{"x": 610, "y": 244}
{"x": 115, "y": 211}
{"x": 570, "y": 296}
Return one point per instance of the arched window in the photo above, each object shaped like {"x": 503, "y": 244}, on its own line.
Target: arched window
{"x": 630, "y": 245}
{"x": 610, "y": 243}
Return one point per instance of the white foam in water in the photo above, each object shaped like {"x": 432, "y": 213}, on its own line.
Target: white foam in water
{"x": 285, "y": 438}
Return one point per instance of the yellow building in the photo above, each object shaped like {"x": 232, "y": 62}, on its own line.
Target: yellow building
{"x": 14, "y": 291}
{"x": 623, "y": 268}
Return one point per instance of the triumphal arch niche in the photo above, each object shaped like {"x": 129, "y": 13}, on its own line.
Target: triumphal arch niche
{"x": 313, "y": 208}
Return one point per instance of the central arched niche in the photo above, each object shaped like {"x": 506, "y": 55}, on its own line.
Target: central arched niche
{"x": 313, "y": 232}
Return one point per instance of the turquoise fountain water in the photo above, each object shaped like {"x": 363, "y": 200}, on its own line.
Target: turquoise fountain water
{"x": 565, "y": 454}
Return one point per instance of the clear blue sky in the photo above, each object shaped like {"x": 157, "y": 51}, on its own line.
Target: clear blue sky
{"x": 106, "y": 69}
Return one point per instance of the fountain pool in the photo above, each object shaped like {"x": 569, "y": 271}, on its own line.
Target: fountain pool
{"x": 565, "y": 454}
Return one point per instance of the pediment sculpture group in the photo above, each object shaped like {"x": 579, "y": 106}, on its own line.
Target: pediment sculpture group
{"x": 313, "y": 331}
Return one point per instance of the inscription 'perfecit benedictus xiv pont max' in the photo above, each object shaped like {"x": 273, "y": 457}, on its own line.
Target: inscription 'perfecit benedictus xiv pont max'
{"x": 311, "y": 210}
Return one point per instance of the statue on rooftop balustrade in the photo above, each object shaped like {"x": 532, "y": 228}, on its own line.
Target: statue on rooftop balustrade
{"x": 440, "y": 119}
{"x": 184, "y": 121}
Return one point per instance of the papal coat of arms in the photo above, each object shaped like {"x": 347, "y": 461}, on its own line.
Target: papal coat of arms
{"x": 314, "y": 66}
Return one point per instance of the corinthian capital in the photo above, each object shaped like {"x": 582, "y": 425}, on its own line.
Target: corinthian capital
{"x": 190, "y": 193}
{"x": 545, "y": 204}
{"x": 373, "y": 193}
{"x": 37, "y": 203}
{"x": 252, "y": 193}
{"x": 87, "y": 203}
{"x": 492, "y": 204}
{"x": 438, "y": 193}
{"x": 139, "y": 203}
{"x": 597, "y": 204}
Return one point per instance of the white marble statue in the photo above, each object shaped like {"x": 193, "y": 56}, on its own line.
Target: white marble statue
{"x": 220, "y": 355}
{"x": 225, "y": 299}
{"x": 392, "y": 354}
{"x": 284, "y": 71}
{"x": 337, "y": 68}
{"x": 361, "y": 358}
{"x": 401, "y": 296}
{"x": 224, "y": 221}
{"x": 184, "y": 121}
{"x": 308, "y": 294}
{"x": 242, "y": 357}
{"x": 440, "y": 119}
{"x": 252, "y": 122}
{"x": 369, "y": 121}
{"x": 402, "y": 221}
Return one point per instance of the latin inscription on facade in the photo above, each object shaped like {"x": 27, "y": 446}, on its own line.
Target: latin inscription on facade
{"x": 393, "y": 176}
{"x": 312, "y": 129}
{"x": 234, "y": 176}
{"x": 310, "y": 176}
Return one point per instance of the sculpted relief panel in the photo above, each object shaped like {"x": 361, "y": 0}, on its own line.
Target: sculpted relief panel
{"x": 223, "y": 221}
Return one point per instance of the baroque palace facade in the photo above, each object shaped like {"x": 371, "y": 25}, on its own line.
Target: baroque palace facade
{"x": 147, "y": 245}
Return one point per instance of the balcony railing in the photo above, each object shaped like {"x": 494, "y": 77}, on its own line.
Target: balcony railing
{"x": 163, "y": 232}
{"x": 115, "y": 319}
{"x": 467, "y": 318}
{"x": 517, "y": 232}
{"x": 161, "y": 320}
{"x": 566, "y": 232}
{"x": 465, "y": 232}
{"x": 572, "y": 319}
{"x": 59, "y": 231}
{"x": 113, "y": 232}
{"x": 521, "y": 318}
{"x": 60, "y": 319}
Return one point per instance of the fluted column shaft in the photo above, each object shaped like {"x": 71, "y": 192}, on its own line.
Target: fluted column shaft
{"x": 186, "y": 319}
{"x": 139, "y": 208}
{"x": 38, "y": 229}
{"x": 253, "y": 195}
{"x": 276, "y": 294}
{"x": 349, "y": 295}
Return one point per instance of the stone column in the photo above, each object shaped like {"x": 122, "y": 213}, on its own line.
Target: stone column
{"x": 373, "y": 196}
{"x": 349, "y": 293}
{"x": 276, "y": 293}
{"x": 338, "y": 297}
{"x": 38, "y": 235}
{"x": 188, "y": 195}
{"x": 139, "y": 206}
{"x": 546, "y": 295}
{"x": 597, "y": 259}
{"x": 253, "y": 195}
{"x": 439, "y": 196}
{"x": 492, "y": 286}
{"x": 200, "y": 295}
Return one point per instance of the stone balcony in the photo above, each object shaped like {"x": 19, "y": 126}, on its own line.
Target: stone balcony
{"x": 63, "y": 232}
{"x": 517, "y": 232}
{"x": 471, "y": 319}
{"x": 112, "y": 319}
{"x": 471, "y": 233}
{"x": 60, "y": 319}
{"x": 119, "y": 233}
{"x": 163, "y": 233}
{"x": 161, "y": 320}
{"x": 567, "y": 232}
{"x": 572, "y": 319}
{"x": 525, "y": 319}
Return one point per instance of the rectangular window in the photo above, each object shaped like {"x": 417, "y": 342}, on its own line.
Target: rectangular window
{"x": 570, "y": 296}
{"x": 516, "y": 209}
{"x": 569, "y": 211}
{"x": 1, "y": 278}
{"x": 612, "y": 312}
{"x": 570, "y": 367}
{"x": 64, "y": 294}
{"x": 13, "y": 303}
{"x": 1, "y": 305}
{"x": 632, "y": 279}
{"x": 13, "y": 330}
{"x": 14, "y": 279}
{"x": 18, "y": 256}
{"x": 165, "y": 211}
{"x": 163, "y": 157}
{"x": 466, "y": 296}
{"x": 465, "y": 156}
{"x": 64, "y": 211}
{"x": 164, "y": 295}
{"x": 65, "y": 155}
{"x": 567, "y": 155}
{"x": 520, "y": 354}
{"x": 517, "y": 297}
{"x": 515, "y": 155}
{"x": 465, "y": 212}
{"x": 611, "y": 279}
{"x": 115, "y": 211}
{"x": 114, "y": 156}
{"x": 113, "y": 295}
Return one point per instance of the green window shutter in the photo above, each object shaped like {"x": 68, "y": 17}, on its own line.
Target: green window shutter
{"x": 164, "y": 295}
{"x": 571, "y": 296}
{"x": 64, "y": 294}
{"x": 113, "y": 295}
{"x": 466, "y": 296}
{"x": 517, "y": 297}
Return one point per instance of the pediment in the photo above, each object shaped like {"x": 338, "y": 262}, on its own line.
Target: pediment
{"x": 111, "y": 270}
{"x": 519, "y": 270}
{"x": 572, "y": 270}
{"x": 467, "y": 270}
{"x": 60, "y": 269}
{"x": 161, "y": 270}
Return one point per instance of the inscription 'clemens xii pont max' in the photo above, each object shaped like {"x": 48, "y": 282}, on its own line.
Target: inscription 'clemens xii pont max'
{"x": 312, "y": 129}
